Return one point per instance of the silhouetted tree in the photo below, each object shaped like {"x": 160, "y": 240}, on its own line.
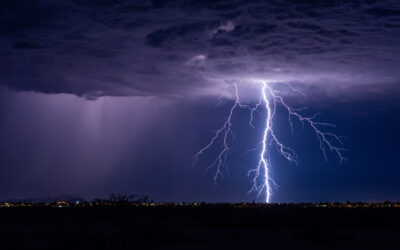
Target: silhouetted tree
{"x": 120, "y": 199}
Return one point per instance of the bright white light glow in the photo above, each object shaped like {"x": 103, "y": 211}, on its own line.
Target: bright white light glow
{"x": 269, "y": 99}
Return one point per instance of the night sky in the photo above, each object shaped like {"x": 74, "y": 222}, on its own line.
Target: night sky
{"x": 106, "y": 96}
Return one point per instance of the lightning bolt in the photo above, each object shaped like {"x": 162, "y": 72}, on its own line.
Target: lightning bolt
{"x": 269, "y": 100}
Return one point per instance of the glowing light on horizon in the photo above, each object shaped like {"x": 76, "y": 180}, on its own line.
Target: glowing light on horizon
{"x": 269, "y": 99}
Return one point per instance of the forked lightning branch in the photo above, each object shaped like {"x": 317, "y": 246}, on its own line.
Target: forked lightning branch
{"x": 268, "y": 102}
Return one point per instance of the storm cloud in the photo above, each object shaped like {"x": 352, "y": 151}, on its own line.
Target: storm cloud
{"x": 101, "y": 96}
{"x": 94, "y": 48}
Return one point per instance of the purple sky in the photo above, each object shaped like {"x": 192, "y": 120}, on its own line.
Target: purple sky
{"x": 116, "y": 96}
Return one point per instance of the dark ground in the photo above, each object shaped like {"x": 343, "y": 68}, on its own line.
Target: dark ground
{"x": 203, "y": 227}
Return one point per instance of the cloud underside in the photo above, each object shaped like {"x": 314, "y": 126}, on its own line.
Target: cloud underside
{"x": 179, "y": 49}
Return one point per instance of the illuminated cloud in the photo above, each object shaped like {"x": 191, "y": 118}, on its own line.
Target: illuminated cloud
{"x": 124, "y": 48}
{"x": 197, "y": 61}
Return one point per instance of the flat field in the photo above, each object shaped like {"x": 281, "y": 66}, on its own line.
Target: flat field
{"x": 199, "y": 227}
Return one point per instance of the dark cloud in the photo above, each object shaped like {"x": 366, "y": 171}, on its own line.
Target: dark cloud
{"x": 171, "y": 48}
{"x": 26, "y": 45}
{"x": 188, "y": 34}
{"x": 379, "y": 12}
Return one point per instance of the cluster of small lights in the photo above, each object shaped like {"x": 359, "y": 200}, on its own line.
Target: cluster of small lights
{"x": 63, "y": 204}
